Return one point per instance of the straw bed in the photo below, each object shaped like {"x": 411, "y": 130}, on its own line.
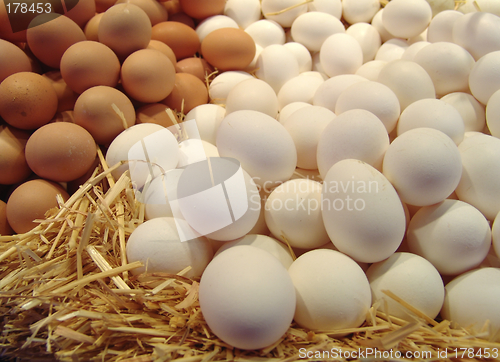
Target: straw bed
{"x": 66, "y": 294}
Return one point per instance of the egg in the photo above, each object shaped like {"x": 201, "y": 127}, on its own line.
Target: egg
{"x": 49, "y": 35}
{"x": 392, "y": 49}
{"x": 195, "y": 66}
{"x": 223, "y": 83}
{"x": 5, "y": 228}
{"x": 94, "y": 112}
{"x": 340, "y": 53}
{"x": 329, "y": 91}
{"x": 66, "y": 97}
{"x": 492, "y": 114}
{"x": 13, "y": 165}
{"x": 81, "y": 11}
{"x": 332, "y": 291}
{"x": 243, "y": 12}
{"x": 441, "y": 26}
{"x": 164, "y": 48}
{"x": 60, "y": 151}
{"x": 89, "y": 63}
{"x": 484, "y": 77}
{"x": 406, "y": 18}
{"x": 30, "y": 201}
{"x": 27, "y": 100}
{"x": 495, "y": 234}
{"x": 125, "y": 21}
{"x": 188, "y": 92}
{"x": 247, "y": 297}
{"x": 289, "y": 109}
{"x": 12, "y": 60}
{"x": 200, "y": 9}
{"x": 154, "y": 10}
{"x": 312, "y": 28}
{"x": 275, "y": 10}
{"x": 302, "y": 55}
{"x": 212, "y": 23}
{"x": 208, "y": 118}
{"x": 155, "y": 113}
{"x": 368, "y": 37}
{"x": 6, "y": 31}
{"x": 276, "y": 65}
{"x": 471, "y": 111}
{"x": 266, "y": 32}
{"x": 355, "y": 11}
{"x": 371, "y": 69}
{"x": 182, "y": 39}
{"x": 252, "y": 94}
{"x": 362, "y": 212}
{"x": 301, "y": 88}
{"x": 333, "y": 7}
{"x": 157, "y": 245}
{"x": 91, "y": 29}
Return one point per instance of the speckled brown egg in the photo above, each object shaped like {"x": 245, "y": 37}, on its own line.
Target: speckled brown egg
{"x": 66, "y": 97}
{"x": 155, "y": 113}
{"x": 164, "y": 48}
{"x": 155, "y": 11}
{"x": 30, "y": 201}
{"x": 27, "y": 100}
{"x": 195, "y": 66}
{"x": 13, "y": 165}
{"x": 182, "y": 39}
{"x": 60, "y": 151}
{"x": 201, "y": 9}
{"x": 50, "y": 35}
{"x": 5, "y": 228}
{"x": 189, "y": 92}
{"x": 12, "y": 60}
{"x": 228, "y": 49}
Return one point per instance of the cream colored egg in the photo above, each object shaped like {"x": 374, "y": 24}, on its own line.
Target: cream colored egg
{"x": 276, "y": 65}
{"x": 244, "y": 12}
{"x": 368, "y": 37}
{"x": 301, "y": 88}
{"x": 284, "y": 12}
{"x": 357, "y": 11}
{"x": 208, "y": 118}
{"x": 333, "y": 7}
{"x": 406, "y": 18}
{"x": 392, "y": 49}
{"x": 223, "y": 83}
{"x": 371, "y": 70}
{"x": 252, "y": 94}
{"x": 484, "y": 78}
{"x": 266, "y": 32}
{"x": 302, "y": 55}
{"x": 212, "y": 23}
{"x": 413, "y": 49}
{"x": 483, "y": 39}
{"x": 378, "y": 24}
{"x": 493, "y": 114}
{"x": 289, "y": 109}
{"x": 472, "y": 112}
{"x": 312, "y": 28}
{"x": 340, "y": 53}
{"x": 441, "y": 26}
{"x": 495, "y": 233}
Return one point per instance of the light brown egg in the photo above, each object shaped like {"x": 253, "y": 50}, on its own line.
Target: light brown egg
{"x": 30, "y": 201}
{"x": 195, "y": 66}
{"x": 181, "y": 17}
{"x": 164, "y": 48}
{"x": 155, "y": 113}
{"x": 13, "y": 165}
{"x": 228, "y": 49}
{"x": 80, "y": 11}
{"x": 5, "y": 228}
{"x": 12, "y": 60}
{"x": 156, "y": 12}
{"x": 27, "y": 100}
{"x": 148, "y": 75}
{"x": 189, "y": 92}
{"x": 102, "y": 5}
{"x": 125, "y": 28}
{"x": 92, "y": 27}
{"x": 89, "y": 63}
{"x": 6, "y": 31}
{"x": 172, "y": 6}
{"x": 182, "y": 39}
{"x": 94, "y": 111}
{"x": 66, "y": 97}
{"x": 201, "y": 9}
{"x": 49, "y": 40}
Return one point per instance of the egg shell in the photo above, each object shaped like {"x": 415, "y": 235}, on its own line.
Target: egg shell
{"x": 371, "y": 69}
{"x": 276, "y": 64}
{"x": 262, "y": 145}
{"x": 328, "y": 92}
{"x": 362, "y": 212}
{"x": 302, "y": 55}
{"x": 312, "y": 28}
{"x": 27, "y": 100}
{"x": 289, "y": 109}
{"x": 60, "y": 151}
{"x": 188, "y": 92}
{"x": 441, "y": 26}
{"x": 453, "y": 235}
{"x": 340, "y": 53}
{"x": 200, "y": 9}
{"x": 66, "y": 97}
{"x": 406, "y": 18}
{"x": 182, "y": 39}
{"x": 153, "y": 9}
{"x": 301, "y": 88}
{"x": 472, "y": 300}
{"x": 266, "y": 32}
{"x": 208, "y": 118}
{"x": 195, "y": 66}
{"x": 212, "y": 23}
{"x": 91, "y": 29}
{"x": 164, "y": 48}
{"x": 484, "y": 77}
{"x": 221, "y": 85}
{"x": 94, "y": 112}
{"x": 410, "y": 277}
{"x": 413, "y": 49}
{"x": 157, "y": 245}
{"x": 357, "y": 134}
{"x": 392, "y": 49}
{"x": 244, "y": 12}
{"x": 125, "y": 21}
{"x": 493, "y": 114}
{"x": 30, "y": 201}
{"x": 479, "y": 184}
{"x": 471, "y": 111}
{"x": 424, "y": 165}
{"x": 368, "y": 37}
{"x": 252, "y": 94}
{"x": 378, "y": 24}
{"x": 12, "y": 60}
{"x": 332, "y": 291}
{"x": 13, "y": 165}
{"x": 275, "y": 10}
{"x": 155, "y": 113}
{"x": 247, "y": 297}
{"x": 356, "y": 11}
{"x": 5, "y": 228}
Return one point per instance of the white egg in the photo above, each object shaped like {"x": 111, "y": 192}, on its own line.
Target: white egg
{"x": 368, "y": 37}
{"x": 333, "y": 7}
{"x": 362, "y": 212}
{"x": 247, "y": 297}
{"x": 311, "y": 29}
{"x": 484, "y": 78}
{"x": 441, "y": 26}
{"x": 340, "y": 53}
{"x": 305, "y": 126}
{"x": 194, "y": 150}
{"x": 378, "y": 24}
{"x": 357, "y": 11}
{"x": 206, "y": 26}
{"x": 332, "y": 291}
{"x": 275, "y": 65}
{"x": 275, "y": 10}
{"x": 301, "y": 88}
{"x": 328, "y": 92}
{"x": 244, "y": 12}
{"x": 156, "y": 201}
{"x": 392, "y": 49}
{"x": 374, "y": 97}
{"x": 495, "y": 234}
{"x": 208, "y": 118}
{"x": 471, "y": 301}
{"x": 266, "y": 32}
{"x": 493, "y": 114}
{"x": 302, "y": 55}
{"x": 408, "y": 80}
{"x": 371, "y": 70}
{"x": 453, "y": 235}
{"x": 472, "y": 112}
{"x": 433, "y": 113}
{"x": 252, "y": 94}
{"x": 480, "y": 182}
{"x": 411, "y": 278}
{"x": 157, "y": 245}
{"x": 424, "y": 165}
{"x": 406, "y": 18}
{"x": 223, "y": 83}
{"x": 412, "y": 50}
{"x": 262, "y": 145}
{"x": 289, "y": 109}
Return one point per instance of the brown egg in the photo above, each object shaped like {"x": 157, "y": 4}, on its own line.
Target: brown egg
{"x": 195, "y": 66}
{"x": 89, "y": 63}
{"x": 80, "y": 11}
{"x": 228, "y": 49}
{"x": 74, "y": 185}
{"x": 148, "y": 75}
{"x": 125, "y": 28}
{"x": 164, "y": 48}
{"x": 183, "y": 18}
{"x": 182, "y": 39}
{"x": 5, "y": 228}
{"x": 66, "y": 97}
{"x": 60, "y": 151}
{"x": 189, "y": 92}
{"x": 13, "y": 165}
{"x": 155, "y": 113}
{"x": 201, "y": 9}
{"x": 5, "y": 28}
{"x": 156, "y": 12}
{"x": 65, "y": 116}
{"x": 94, "y": 111}
{"x": 12, "y": 60}
{"x": 49, "y": 40}
{"x": 92, "y": 27}
{"x": 27, "y": 100}
{"x": 172, "y": 6}
{"x": 30, "y": 201}
{"x": 102, "y": 5}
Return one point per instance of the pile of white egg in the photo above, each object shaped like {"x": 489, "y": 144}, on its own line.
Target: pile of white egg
{"x": 378, "y": 139}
